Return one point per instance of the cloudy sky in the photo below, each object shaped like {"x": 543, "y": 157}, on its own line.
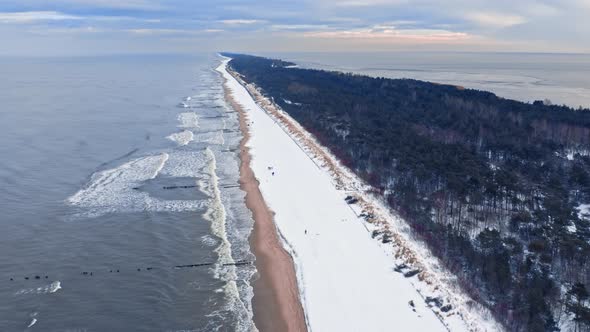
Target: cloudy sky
{"x": 129, "y": 26}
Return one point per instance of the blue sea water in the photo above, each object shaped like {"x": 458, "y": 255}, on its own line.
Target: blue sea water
{"x": 100, "y": 180}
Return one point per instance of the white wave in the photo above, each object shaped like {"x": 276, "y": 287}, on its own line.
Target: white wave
{"x": 106, "y": 187}
{"x": 165, "y": 157}
{"x": 186, "y": 164}
{"x": 48, "y": 289}
{"x": 208, "y": 240}
{"x": 216, "y": 214}
{"x": 182, "y": 138}
{"x": 113, "y": 190}
{"x": 188, "y": 120}
{"x": 33, "y": 322}
{"x": 54, "y": 287}
{"x": 214, "y": 137}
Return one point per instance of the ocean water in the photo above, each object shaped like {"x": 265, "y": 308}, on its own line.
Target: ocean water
{"x": 561, "y": 78}
{"x": 114, "y": 170}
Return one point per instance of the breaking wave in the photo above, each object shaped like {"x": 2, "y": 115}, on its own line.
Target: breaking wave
{"x": 217, "y": 215}
{"x": 48, "y": 289}
{"x": 135, "y": 183}
{"x": 33, "y": 322}
{"x": 182, "y": 138}
{"x": 188, "y": 120}
{"x": 116, "y": 189}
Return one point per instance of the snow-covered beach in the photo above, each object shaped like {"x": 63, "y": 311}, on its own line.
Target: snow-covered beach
{"x": 347, "y": 280}
{"x": 275, "y": 304}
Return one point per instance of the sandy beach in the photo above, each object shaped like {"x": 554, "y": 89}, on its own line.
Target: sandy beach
{"x": 276, "y": 303}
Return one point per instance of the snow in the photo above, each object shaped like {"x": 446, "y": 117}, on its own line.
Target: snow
{"x": 583, "y": 211}
{"x": 571, "y": 227}
{"x": 346, "y": 278}
{"x": 571, "y": 153}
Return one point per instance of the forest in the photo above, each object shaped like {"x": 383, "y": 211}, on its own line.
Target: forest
{"x": 498, "y": 189}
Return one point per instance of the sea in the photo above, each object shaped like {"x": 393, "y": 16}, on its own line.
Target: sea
{"x": 120, "y": 208}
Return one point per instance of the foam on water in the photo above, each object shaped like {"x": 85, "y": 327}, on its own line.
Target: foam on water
{"x": 216, "y": 211}
{"x": 216, "y": 214}
{"x": 113, "y": 190}
{"x": 161, "y": 164}
{"x": 186, "y": 164}
{"x": 182, "y": 138}
{"x": 48, "y": 289}
{"x": 33, "y": 322}
{"x": 136, "y": 185}
{"x": 208, "y": 240}
{"x": 188, "y": 120}
{"x": 212, "y": 138}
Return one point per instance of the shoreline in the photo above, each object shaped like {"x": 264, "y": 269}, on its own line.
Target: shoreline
{"x": 327, "y": 236}
{"x": 276, "y": 304}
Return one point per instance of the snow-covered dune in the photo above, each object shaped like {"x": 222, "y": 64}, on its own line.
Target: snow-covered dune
{"x": 347, "y": 280}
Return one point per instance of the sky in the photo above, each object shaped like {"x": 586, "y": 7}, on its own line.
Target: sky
{"x": 79, "y": 27}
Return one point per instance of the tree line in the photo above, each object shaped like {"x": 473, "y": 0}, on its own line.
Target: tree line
{"x": 492, "y": 185}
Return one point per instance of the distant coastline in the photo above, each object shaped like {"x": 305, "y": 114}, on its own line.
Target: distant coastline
{"x": 525, "y": 76}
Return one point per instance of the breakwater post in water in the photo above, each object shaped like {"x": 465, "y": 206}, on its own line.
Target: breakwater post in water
{"x": 149, "y": 268}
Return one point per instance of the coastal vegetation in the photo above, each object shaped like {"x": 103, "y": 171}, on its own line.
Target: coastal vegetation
{"x": 496, "y": 188}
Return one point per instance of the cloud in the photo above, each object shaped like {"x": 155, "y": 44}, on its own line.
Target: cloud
{"x": 320, "y": 23}
{"x": 541, "y": 9}
{"x": 495, "y": 20}
{"x": 48, "y": 16}
{"x": 390, "y": 33}
{"x": 66, "y": 31}
{"x": 300, "y": 27}
{"x": 366, "y": 3}
{"x": 583, "y": 4}
{"x": 114, "y": 4}
{"x": 241, "y": 22}
{"x": 172, "y": 31}
{"x": 122, "y": 18}
{"x": 35, "y": 16}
